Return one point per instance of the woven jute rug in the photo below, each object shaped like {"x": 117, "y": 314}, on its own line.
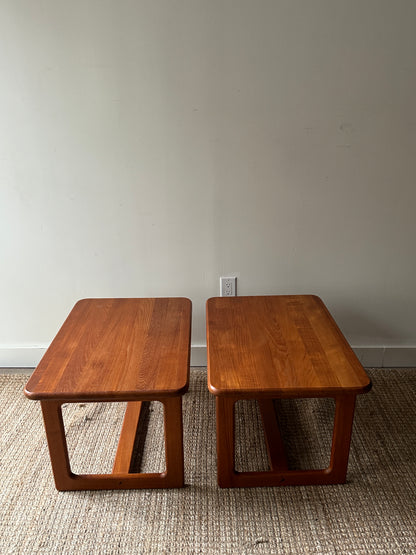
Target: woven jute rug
{"x": 375, "y": 512}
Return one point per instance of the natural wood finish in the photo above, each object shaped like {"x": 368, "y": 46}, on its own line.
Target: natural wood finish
{"x": 122, "y": 461}
{"x": 174, "y": 474}
{"x": 117, "y": 350}
{"x": 272, "y": 344}
{"x": 274, "y": 442}
{"x": 272, "y": 347}
{"x": 341, "y": 439}
{"x": 225, "y": 441}
{"x": 55, "y": 435}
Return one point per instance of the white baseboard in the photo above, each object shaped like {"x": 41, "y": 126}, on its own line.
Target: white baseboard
{"x": 378, "y": 357}
{"x": 386, "y": 357}
{"x": 198, "y": 355}
{"x": 21, "y": 357}
{"x": 29, "y": 356}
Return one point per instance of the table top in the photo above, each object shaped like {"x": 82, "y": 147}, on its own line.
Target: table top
{"x": 117, "y": 349}
{"x": 269, "y": 346}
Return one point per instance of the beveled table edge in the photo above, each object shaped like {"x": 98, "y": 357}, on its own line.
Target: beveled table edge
{"x": 111, "y": 396}
{"x": 295, "y": 393}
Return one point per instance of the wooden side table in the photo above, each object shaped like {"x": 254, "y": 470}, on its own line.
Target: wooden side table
{"x": 270, "y": 347}
{"x": 117, "y": 350}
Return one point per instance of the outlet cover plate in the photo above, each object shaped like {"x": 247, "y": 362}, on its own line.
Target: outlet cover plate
{"x": 228, "y": 286}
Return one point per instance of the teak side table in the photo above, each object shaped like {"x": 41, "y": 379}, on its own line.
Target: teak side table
{"x": 271, "y": 347}
{"x": 117, "y": 350}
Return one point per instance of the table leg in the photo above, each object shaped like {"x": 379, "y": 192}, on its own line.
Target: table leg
{"x": 174, "y": 474}
{"x": 225, "y": 441}
{"x": 341, "y": 439}
{"x": 274, "y": 441}
{"x": 58, "y": 450}
{"x": 280, "y": 475}
{"x": 123, "y": 458}
{"x": 120, "y": 478}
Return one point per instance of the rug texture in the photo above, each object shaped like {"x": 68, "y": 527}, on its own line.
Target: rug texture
{"x": 374, "y": 512}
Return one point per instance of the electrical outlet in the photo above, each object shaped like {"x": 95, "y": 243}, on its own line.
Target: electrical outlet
{"x": 228, "y": 286}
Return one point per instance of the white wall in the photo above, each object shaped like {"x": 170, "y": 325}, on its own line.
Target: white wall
{"x": 148, "y": 147}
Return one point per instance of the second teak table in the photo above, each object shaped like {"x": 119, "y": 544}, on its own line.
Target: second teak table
{"x": 270, "y": 347}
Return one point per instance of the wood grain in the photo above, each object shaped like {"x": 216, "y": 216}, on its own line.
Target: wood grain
{"x": 125, "y": 448}
{"x": 271, "y": 346}
{"x": 117, "y": 349}
{"x": 279, "y": 346}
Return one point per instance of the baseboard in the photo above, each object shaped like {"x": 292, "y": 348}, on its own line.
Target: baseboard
{"x": 378, "y": 357}
{"x": 386, "y": 357}
{"x": 21, "y": 356}
{"x": 29, "y": 356}
{"x": 198, "y": 355}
